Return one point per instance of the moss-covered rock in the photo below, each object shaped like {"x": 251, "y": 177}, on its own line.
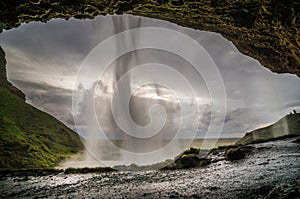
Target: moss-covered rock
{"x": 190, "y": 158}
{"x": 267, "y": 30}
{"x": 192, "y": 150}
{"x": 188, "y": 161}
{"x": 237, "y": 152}
{"x": 89, "y": 170}
{"x": 234, "y": 154}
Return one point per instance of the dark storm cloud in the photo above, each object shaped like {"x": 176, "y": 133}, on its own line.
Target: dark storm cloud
{"x": 54, "y": 100}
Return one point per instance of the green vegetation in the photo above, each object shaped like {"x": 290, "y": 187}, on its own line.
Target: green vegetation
{"x": 192, "y": 160}
{"x": 191, "y": 150}
{"x": 30, "y": 138}
{"x": 288, "y": 126}
{"x": 189, "y": 159}
{"x": 234, "y": 154}
{"x": 267, "y": 30}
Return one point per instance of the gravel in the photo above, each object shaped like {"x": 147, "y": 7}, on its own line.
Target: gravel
{"x": 271, "y": 170}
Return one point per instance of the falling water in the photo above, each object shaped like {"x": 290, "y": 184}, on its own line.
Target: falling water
{"x": 155, "y": 110}
{"x": 256, "y": 97}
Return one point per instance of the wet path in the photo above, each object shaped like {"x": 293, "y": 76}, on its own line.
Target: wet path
{"x": 271, "y": 166}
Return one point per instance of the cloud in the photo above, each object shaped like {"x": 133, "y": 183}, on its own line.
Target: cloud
{"x": 43, "y": 59}
{"x": 233, "y": 115}
{"x": 54, "y": 100}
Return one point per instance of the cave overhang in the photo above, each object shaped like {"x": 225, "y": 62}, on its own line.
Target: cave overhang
{"x": 265, "y": 30}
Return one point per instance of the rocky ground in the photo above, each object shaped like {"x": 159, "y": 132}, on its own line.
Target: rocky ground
{"x": 269, "y": 170}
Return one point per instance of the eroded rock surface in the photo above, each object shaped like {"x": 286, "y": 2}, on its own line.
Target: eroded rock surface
{"x": 265, "y": 30}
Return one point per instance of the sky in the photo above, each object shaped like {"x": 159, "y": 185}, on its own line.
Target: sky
{"x": 43, "y": 60}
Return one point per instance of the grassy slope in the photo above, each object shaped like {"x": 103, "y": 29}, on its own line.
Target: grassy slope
{"x": 287, "y": 126}
{"x": 30, "y": 138}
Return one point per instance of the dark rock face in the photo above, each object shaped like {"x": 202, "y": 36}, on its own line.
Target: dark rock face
{"x": 2, "y": 68}
{"x": 234, "y": 154}
{"x": 237, "y": 153}
{"x": 188, "y": 161}
{"x": 265, "y": 30}
{"x": 3, "y": 79}
{"x": 191, "y": 160}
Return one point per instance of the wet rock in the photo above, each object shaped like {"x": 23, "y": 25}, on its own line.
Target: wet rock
{"x": 217, "y": 151}
{"x": 187, "y": 161}
{"x": 191, "y": 160}
{"x": 234, "y": 154}
{"x": 297, "y": 140}
{"x": 263, "y": 163}
{"x": 285, "y": 191}
{"x": 237, "y": 153}
{"x": 216, "y": 154}
{"x": 144, "y": 194}
{"x": 243, "y": 179}
{"x": 204, "y": 162}
{"x": 213, "y": 188}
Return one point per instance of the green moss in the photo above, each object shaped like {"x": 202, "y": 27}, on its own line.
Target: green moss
{"x": 30, "y": 138}
{"x": 237, "y": 152}
{"x": 189, "y": 159}
{"x": 266, "y": 30}
{"x": 234, "y": 154}
{"x": 192, "y": 150}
